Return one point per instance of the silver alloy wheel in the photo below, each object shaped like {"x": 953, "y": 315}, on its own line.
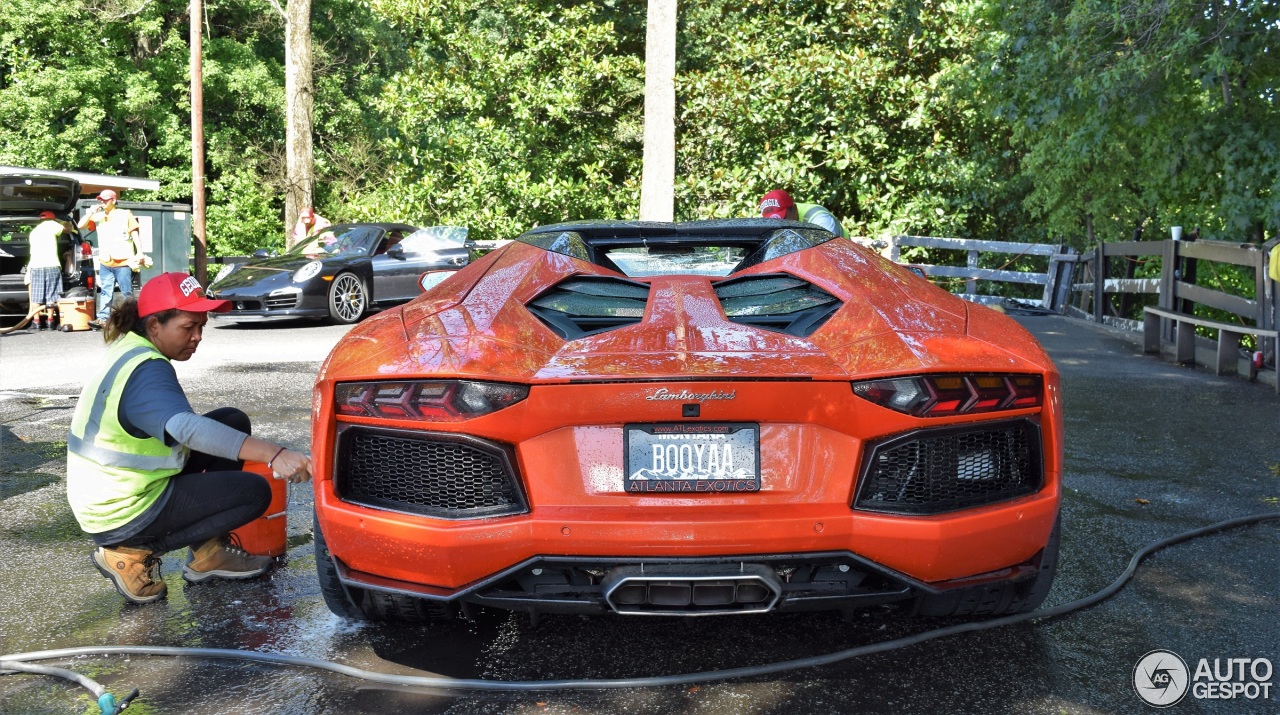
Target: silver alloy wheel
{"x": 347, "y": 300}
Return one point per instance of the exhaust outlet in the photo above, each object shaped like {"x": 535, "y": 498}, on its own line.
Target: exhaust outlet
{"x": 691, "y": 589}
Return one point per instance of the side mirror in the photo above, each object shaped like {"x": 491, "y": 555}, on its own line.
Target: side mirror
{"x": 431, "y": 279}
{"x": 396, "y": 251}
{"x": 262, "y": 253}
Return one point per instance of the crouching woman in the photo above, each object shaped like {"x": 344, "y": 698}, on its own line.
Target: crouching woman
{"x": 145, "y": 473}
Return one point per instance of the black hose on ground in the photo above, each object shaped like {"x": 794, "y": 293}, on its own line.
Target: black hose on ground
{"x": 666, "y": 680}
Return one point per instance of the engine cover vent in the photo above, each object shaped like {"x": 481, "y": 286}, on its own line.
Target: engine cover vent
{"x": 778, "y": 302}
{"x": 586, "y": 305}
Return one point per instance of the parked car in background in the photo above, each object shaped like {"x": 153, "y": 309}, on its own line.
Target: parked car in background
{"x": 340, "y": 273}
{"x": 22, "y": 198}
{"x": 708, "y": 418}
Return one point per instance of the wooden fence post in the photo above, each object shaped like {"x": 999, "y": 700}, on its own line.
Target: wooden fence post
{"x": 1100, "y": 282}
{"x": 971, "y": 285}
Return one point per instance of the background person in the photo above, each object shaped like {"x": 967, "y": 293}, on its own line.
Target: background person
{"x": 309, "y": 224}
{"x": 118, "y": 253}
{"x": 779, "y": 204}
{"x": 44, "y": 270}
{"x": 145, "y": 473}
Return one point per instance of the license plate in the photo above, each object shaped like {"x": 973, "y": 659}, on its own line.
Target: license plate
{"x": 692, "y": 457}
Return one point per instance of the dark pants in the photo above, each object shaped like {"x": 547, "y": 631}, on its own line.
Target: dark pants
{"x": 208, "y": 498}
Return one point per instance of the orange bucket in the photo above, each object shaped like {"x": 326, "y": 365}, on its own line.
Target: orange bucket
{"x": 75, "y": 313}
{"x": 265, "y": 536}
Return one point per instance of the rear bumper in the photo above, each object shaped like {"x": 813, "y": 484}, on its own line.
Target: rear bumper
{"x": 681, "y": 587}
{"x": 559, "y": 562}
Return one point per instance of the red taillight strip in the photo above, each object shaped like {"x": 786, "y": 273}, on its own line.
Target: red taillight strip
{"x": 426, "y": 400}
{"x": 949, "y": 395}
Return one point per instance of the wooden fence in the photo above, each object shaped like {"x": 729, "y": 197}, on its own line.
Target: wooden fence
{"x": 1055, "y": 279}
{"x": 1169, "y": 285}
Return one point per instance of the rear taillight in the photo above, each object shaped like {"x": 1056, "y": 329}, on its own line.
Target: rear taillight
{"x": 946, "y": 395}
{"x": 433, "y": 401}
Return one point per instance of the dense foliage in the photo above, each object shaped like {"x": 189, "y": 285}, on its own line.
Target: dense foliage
{"x": 1140, "y": 114}
{"x": 103, "y": 86}
{"x": 1065, "y": 120}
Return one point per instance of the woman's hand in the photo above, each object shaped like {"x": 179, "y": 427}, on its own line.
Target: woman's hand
{"x": 291, "y": 465}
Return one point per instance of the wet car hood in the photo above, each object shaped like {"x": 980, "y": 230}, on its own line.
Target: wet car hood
{"x": 892, "y": 322}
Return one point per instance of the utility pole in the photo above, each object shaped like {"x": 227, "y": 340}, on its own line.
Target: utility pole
{"x": 657, "y": 187}
{"x": 197, "y": 143}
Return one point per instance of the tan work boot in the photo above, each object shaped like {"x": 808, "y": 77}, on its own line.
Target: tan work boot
{"x": 135, "y": 572}
{"x": 222, "y": 557}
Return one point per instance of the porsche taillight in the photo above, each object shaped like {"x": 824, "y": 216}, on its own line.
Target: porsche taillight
{"x": 427, "y": 400}
{"x": 947, "y": 395}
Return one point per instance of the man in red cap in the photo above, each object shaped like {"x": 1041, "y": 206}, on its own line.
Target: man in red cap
{"x": 779, "y": 204}
{"x": 118, "y": 250}
{"x": 309, "y": 224}
{"x": 145, "y": 473}
{"x": 44, "y": 270}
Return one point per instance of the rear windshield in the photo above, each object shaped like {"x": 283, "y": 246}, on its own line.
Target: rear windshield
{"x": 641, "y": 262}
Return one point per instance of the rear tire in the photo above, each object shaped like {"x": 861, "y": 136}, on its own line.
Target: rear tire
{"x": 331, "y": 588}
{"x": 363, "y": 604}
{"x": 998, "y": 599}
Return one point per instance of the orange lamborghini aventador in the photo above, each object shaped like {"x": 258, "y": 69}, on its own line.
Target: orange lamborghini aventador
{"x": 705, "y": 418}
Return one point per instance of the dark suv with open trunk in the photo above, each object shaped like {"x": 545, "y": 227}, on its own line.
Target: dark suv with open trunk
{"x": 22, "y": 198}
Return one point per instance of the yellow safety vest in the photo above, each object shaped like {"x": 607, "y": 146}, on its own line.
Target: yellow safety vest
{"x": 807, "y": 212}
{"x": 112, "y": 476}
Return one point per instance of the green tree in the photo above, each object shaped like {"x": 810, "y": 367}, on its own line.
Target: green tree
{"x": 103, "y": 87}
{"x": 510, "y": 115}
{"x": 1140, "y": 114}
{"x": 855, "y": 105}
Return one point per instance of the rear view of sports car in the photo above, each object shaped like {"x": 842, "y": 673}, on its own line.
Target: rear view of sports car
{"x": 707, "y": 418}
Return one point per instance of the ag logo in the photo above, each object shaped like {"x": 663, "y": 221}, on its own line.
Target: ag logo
{"x": 1161, "y": 678}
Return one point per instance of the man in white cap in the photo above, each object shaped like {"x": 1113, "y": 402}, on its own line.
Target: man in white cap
{"x": 118, "y": 251}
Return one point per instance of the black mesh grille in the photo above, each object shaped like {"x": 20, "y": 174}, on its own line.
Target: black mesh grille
{"x": 444, "y": 475}
{"x": 933, "y": 471}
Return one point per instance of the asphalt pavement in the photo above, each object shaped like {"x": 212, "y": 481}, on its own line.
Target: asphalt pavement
{"x": 1152, "y": 449}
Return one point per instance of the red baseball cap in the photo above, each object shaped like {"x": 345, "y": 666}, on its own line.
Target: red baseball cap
{"x": 47, "y": 214}
{"x": 107, "y": 195}
{"x": 177, "y": 290}
{"x": 775, "y": 204}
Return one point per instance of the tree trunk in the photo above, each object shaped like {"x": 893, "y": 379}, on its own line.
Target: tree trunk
{"x": 657, "y": 188}
{"x": 299, "y": 102}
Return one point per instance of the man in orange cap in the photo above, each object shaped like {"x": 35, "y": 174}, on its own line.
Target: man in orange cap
{"x": 779, "y": 204}
{"x": 118, "y": 250}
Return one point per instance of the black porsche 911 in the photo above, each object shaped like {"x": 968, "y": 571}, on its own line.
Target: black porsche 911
{"x": 342, "y": 272}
